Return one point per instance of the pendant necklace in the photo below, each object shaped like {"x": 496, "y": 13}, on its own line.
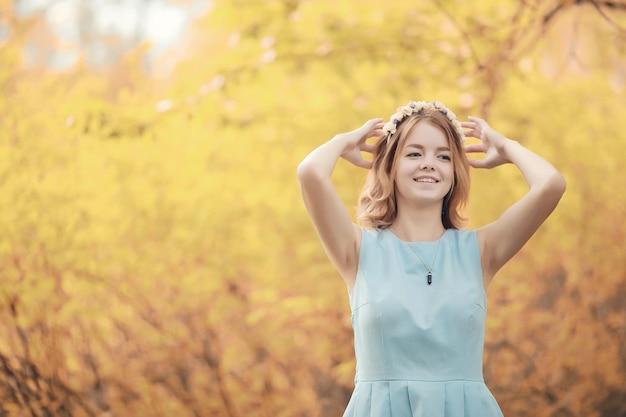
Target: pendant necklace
{"x": 429, "y": 275}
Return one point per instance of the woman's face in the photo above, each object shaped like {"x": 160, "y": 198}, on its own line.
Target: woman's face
{"x": 425, "y": 172}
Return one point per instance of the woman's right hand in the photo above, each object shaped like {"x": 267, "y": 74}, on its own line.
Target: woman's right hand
{"x": 355, "y": 142}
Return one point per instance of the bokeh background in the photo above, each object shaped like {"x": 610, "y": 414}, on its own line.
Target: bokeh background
{"x": 155, "y": 257}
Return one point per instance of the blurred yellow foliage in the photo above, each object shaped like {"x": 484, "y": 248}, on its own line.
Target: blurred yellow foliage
{"x": 156, "y": 259}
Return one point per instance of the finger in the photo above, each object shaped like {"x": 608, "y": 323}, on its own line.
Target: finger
{"x": 477, "y": 163}
{"x": 378, "y": 126}
{"x": 468, "y": 125}
{"x": 373, "y": 122}
{"x": 476, "y": 119}
{"x": 368, "y": 147}
{"x": 362, "y": 163}
{"x": 475, "y": 147}
{"x": 369, "y": 130}
{"x": 377, "y": 134}
{"x": 474, "y": 134}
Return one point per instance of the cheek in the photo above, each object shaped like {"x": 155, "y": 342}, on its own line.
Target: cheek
{"x": 402, "y": 168}
{"x": 403, "y": 174}
{"x": 450, "y": 170}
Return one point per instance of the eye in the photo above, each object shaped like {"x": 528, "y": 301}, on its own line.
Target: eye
{"x": 445, "y": 157}
{"x": 414, "y": 154}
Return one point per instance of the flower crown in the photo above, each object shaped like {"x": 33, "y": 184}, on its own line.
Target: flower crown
{"x": 414, "y": 107}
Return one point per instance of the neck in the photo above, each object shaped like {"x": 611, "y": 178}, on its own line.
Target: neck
{"x": 418, "y": 224}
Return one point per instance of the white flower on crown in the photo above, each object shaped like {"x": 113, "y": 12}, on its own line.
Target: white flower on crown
{"x": 406, "y": 110}
{"x": 397, "y": 116}
{"x": 389, "y": 127}
{"x": 415, "y": 107}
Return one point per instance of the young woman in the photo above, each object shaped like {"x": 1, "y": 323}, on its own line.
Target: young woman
{"x": 416, "y": 280}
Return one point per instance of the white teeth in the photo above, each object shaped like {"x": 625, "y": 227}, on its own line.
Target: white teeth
{"x": 425, "y": 180}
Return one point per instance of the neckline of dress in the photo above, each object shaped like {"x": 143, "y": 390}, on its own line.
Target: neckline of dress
{"x": 445, "y": 232}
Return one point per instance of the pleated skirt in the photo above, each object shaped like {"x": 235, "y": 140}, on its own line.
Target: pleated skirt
{"x": 401, "y": 398}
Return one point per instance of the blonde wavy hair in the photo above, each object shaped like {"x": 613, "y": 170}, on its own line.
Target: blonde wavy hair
{"x": 377, "y": 206}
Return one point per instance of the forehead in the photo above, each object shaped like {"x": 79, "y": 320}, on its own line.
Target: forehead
{"x": 426, "y": 134}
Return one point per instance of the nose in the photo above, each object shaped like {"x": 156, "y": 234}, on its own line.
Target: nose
{"x": 426, "y": 165}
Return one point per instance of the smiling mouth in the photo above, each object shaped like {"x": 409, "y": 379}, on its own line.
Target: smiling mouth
{"x": 426, "y": 180}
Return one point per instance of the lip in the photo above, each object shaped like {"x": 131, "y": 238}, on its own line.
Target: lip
{"x": 426, "y": 177}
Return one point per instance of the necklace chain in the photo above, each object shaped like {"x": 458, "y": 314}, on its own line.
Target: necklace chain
{"x": 429, "y": 275}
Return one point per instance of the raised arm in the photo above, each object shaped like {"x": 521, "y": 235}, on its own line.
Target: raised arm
{"x": 503, "y": 238}
{"x": 340, "y": 237}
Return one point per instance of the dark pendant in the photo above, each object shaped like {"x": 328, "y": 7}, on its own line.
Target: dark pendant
{"x": 429, "y": 277}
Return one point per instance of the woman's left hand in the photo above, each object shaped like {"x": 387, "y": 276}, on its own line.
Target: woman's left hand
{"x": 492, "y": 144}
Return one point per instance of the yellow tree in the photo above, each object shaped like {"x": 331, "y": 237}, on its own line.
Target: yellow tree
{"x": 156, "y": 257}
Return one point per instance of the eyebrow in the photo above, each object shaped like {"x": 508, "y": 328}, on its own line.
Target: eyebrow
{"x": 413, "y": 145}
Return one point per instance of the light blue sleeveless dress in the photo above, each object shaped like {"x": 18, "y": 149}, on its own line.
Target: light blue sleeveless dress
{"x": 419, "y": 347}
